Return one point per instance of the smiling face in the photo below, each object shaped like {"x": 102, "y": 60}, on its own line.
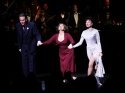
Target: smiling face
{"x": 22, "y": 20}
{"x": 61, "y": 27}
{"x": 88, "y": 23}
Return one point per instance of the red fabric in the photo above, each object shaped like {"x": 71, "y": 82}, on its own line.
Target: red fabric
{"x": 66, "y": 55}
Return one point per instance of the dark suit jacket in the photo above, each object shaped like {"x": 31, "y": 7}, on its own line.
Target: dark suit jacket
{"x": 27, "y": 41}
{"x": 73, "y": 24}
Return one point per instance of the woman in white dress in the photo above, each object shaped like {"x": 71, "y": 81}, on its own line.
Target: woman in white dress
{"x": 94, "y": 50}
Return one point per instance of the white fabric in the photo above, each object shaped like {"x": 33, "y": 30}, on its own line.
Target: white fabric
{"x": 100, "y": 69}
{"x": 92, "y": 39}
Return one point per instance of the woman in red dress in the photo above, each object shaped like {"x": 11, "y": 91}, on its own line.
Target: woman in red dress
{"x": 63, "y": 40}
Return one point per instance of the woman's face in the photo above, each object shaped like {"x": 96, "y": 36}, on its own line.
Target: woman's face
{"x": 61, "y": 27}
{"x": 89, "y": 23}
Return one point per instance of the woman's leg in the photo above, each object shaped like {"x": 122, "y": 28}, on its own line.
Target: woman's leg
{"x": 90, "y": 65}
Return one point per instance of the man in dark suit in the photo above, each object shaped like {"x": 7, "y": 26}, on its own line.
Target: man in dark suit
{"x": 28, "y": 38}
{"x": 76, "y": 23}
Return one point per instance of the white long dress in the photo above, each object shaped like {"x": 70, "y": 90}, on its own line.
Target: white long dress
{"x": 92, "y": 39}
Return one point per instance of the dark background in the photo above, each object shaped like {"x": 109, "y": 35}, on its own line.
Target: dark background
{"x": 47, "y": 61}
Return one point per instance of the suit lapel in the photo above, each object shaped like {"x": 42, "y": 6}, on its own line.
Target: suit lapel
{"x": 27, "y": 29}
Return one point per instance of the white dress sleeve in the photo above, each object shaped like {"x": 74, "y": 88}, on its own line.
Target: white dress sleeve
{"x": 98, "y": 41}
{"x": 80, "y": 42}
{"x": 100, "y": 69}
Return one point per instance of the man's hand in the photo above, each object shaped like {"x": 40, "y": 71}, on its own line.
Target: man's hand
{"x": 39, "y": 43}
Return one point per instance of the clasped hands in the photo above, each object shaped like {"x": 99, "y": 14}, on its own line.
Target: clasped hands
{"x": 70, "y": 46}
{"x": 39, "y": 43}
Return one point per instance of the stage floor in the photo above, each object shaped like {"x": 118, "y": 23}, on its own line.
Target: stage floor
{"x": 53, "y": 83}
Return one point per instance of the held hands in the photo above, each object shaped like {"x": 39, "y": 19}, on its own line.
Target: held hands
{"x": 39, "y": 43}
{"x": 70, "y": 46}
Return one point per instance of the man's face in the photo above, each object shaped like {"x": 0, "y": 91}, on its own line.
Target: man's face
{"x": 22, "y": 20}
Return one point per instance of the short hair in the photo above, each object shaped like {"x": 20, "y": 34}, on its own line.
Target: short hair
{"x": 23, "y": 15}
{"x": 89, "y": 18}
